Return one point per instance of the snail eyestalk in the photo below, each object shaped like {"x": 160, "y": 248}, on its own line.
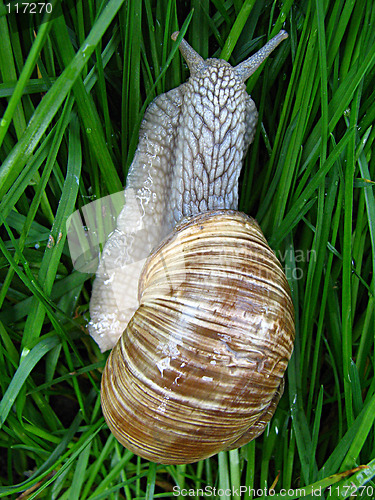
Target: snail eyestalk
{"x": 194, "y": 61}
{"x": 245, "y": 69}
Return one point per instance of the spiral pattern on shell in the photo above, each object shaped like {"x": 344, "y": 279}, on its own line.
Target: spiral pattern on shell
{"x": 192, "y": 377}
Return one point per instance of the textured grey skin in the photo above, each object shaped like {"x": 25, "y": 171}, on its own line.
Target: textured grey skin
{"x": 210, "y": 144}
{"x": 191, "y": 147}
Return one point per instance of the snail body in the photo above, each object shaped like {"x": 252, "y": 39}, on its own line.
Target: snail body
{"x": 187, "y": 290}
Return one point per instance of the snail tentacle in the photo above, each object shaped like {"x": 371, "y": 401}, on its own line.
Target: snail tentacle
{"x": 194, "y": 61}
{"x": 245, "y": 69}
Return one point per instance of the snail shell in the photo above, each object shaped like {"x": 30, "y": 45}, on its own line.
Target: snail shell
{"x": 203, "y": 324}
{"x": 205, "y": 353}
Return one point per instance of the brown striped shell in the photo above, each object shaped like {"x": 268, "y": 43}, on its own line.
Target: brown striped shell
{"x": 200, "y": 366}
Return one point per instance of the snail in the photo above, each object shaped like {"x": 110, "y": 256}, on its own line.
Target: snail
{"x": 188, "y": 295}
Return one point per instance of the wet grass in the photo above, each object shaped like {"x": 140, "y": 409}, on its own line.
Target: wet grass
{"x": 75, "y": 85}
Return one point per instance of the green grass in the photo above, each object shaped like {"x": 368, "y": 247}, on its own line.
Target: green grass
{"x": 74, "y": 88}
